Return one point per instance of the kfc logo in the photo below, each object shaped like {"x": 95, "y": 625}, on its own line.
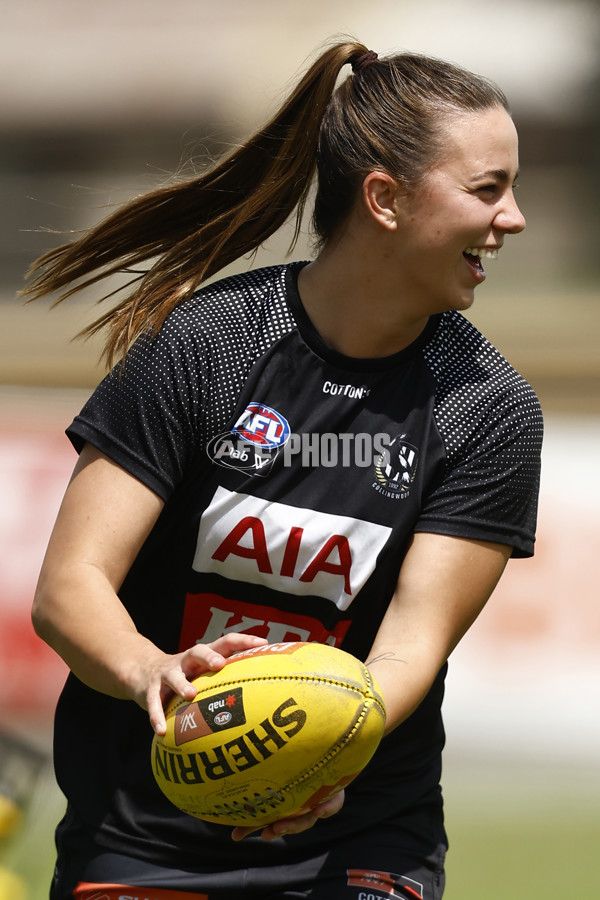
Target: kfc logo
{"x": 208, "y": 617}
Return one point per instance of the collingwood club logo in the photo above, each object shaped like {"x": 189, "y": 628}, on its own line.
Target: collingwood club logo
{"x": 395, "y": 469}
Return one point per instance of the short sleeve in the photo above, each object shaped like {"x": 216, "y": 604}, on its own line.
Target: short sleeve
{"x": 490, "y": 423}
{"x": 147, "y": 414}
{"x": 177, "y": 389}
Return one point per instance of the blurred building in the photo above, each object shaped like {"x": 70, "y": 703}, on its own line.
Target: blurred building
{"x": 104, "y": 101}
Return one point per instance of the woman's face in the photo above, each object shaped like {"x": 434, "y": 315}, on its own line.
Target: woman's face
{"x": 459, "y": 215}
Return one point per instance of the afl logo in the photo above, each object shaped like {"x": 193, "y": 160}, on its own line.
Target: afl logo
{"x": 395, "y": 468}
{"x": 262, "y": 426}
{"x": 222, "y": 718}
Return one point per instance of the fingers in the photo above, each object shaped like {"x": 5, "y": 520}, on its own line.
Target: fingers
{"x": 156, "y": 715}
{"x": 213, "y": 656}
{"x": 166, "y": 683}
{"x": 239, "y": 832}
{"x": 295, "y": 824}
{"x": 176, "y": 672}
{"x": 331, "y": 806}
{"x": 279, "y": 829}
{"x": 235, "y": 642}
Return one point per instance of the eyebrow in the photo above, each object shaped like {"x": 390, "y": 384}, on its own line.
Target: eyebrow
{"x": 499, "y": 174}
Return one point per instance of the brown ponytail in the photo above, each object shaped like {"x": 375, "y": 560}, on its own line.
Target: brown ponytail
{"x": 388, "y": 115}
{"x": 194, "y": 229}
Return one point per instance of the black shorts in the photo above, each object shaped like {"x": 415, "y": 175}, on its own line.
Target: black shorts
{"x": 365, "y": 867}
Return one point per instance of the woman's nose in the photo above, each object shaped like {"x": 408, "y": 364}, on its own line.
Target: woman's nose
{"x": 510, "y": 219}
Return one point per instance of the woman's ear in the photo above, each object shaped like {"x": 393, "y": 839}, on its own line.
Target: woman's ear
{"x": 380, "y": 194}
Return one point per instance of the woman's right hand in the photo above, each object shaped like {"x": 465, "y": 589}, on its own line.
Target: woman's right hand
{"x": 166, "y": 674}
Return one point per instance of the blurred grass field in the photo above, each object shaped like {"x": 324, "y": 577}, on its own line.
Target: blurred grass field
{"x": 522, "y": 830}
{"x": 516, "y": 831}
{"x": 528, "y": 855}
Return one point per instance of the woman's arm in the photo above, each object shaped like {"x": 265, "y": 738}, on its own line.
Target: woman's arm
{"x": 443, "y": 585}
{"x": 103, "y": 521}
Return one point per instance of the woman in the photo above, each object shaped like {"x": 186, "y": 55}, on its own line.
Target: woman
{"x": 181, "y": 539}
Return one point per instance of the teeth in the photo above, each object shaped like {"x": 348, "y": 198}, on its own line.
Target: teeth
{"x": 482, "y": 252}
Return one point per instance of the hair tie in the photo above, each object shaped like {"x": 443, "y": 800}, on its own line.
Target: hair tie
{"x": 365, "y": 60}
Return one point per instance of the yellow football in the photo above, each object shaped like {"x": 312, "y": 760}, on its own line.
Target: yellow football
{"x": 278, "y": 730}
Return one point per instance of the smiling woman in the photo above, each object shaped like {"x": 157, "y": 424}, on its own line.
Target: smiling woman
{"x": 189, "y": 532}
{"x": 414, "y": 238}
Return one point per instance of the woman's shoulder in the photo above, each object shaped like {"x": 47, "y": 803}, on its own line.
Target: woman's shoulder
{"x": 473, "y": 377}
{"x": 224, "y": 326}
{"x": 459, "y": 353}
{"x": 233, "y": 301}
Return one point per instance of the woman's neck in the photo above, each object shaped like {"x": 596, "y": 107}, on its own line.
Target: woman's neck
{"x": 358, "y": 310}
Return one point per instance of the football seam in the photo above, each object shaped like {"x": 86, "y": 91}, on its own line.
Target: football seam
{"x": 367, "y": 692}
{"x": 316, "y": 678}
{"x": 341, "y": 743}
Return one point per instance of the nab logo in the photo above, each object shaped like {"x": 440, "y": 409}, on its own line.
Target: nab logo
{"x": 233, "y": 452}
{"x": 262, "y": 426}
{"x": 224, "y": 710}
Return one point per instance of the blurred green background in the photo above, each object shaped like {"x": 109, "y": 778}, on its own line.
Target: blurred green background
{"x": 103, "y": 101}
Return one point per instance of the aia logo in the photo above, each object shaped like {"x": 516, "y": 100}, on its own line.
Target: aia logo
{"x": 287, "y": 548}
{"x": 262, "y": 426}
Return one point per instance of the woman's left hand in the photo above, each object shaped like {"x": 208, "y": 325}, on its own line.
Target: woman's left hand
{"x": 295, "y": 824}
